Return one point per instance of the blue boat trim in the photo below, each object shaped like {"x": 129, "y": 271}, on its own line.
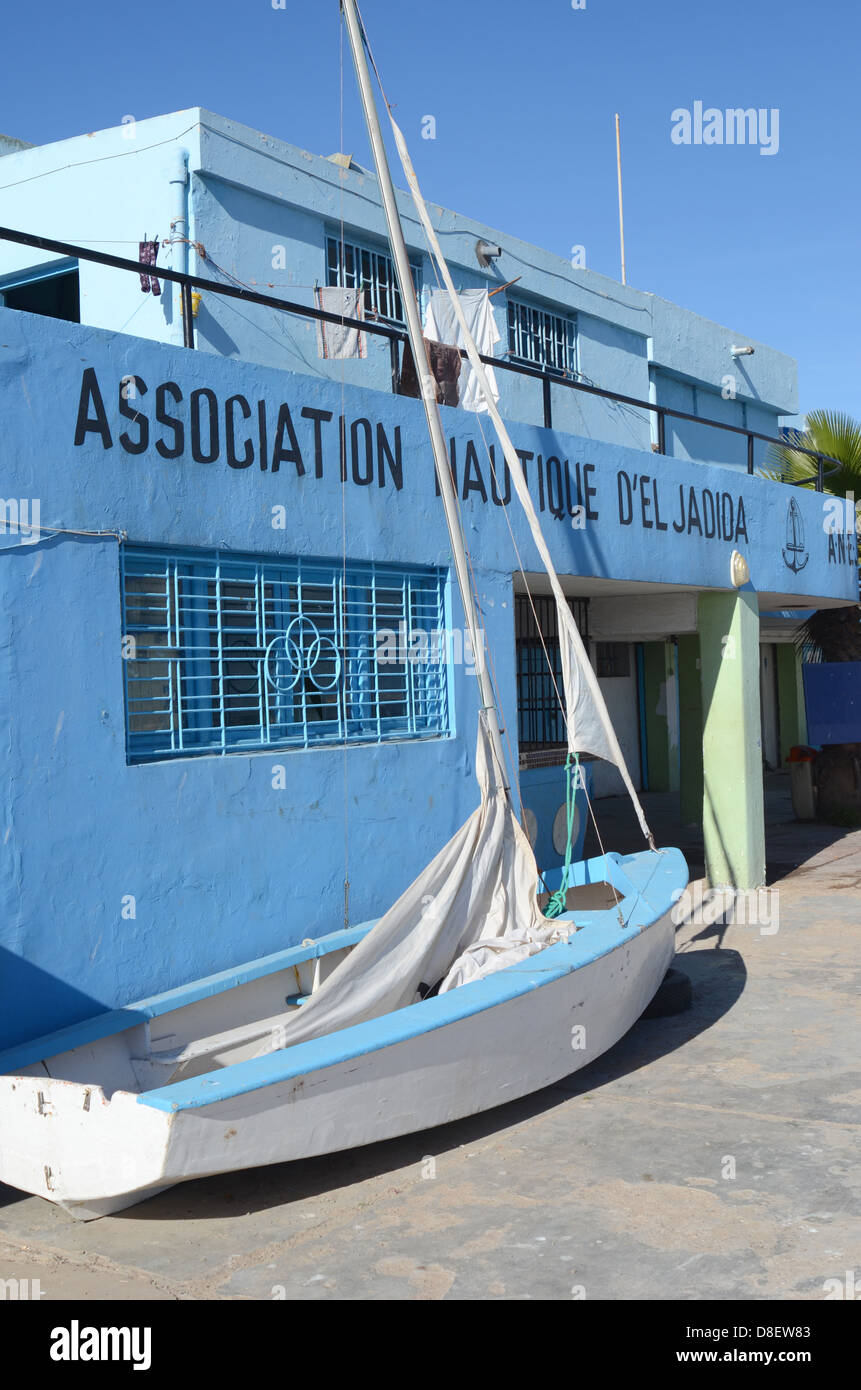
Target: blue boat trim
{"x": 586, "y": 946}
{"x": 131, "y": 1015}
{"x": 629, "y": 873}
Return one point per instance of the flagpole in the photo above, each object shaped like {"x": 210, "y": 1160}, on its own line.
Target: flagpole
{"x": 401, "y": 260}
{"x": 619, "y": 180}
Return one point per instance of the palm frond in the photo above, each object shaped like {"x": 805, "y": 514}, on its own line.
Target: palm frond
{"x": 829, "y": 432}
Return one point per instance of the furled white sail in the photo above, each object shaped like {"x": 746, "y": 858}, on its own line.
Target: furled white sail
{"x": 590, "y": 729}
{"x": 480, "y": 888}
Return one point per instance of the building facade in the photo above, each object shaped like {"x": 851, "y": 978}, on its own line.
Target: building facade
{"x": 238, "y": 699}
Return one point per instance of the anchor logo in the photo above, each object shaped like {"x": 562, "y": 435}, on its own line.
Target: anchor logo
{"x": 795, "y": 554}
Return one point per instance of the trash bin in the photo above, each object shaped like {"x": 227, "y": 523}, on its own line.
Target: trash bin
{"x": 801, "y": 760}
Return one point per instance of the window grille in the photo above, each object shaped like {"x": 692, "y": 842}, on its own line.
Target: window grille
{"x": 541, "y": 726}
{"x": 541, "y": 338}
{"x": 360, "y": 267}
{"x": 227, "y": 653}
{"x": 612, "y": 659}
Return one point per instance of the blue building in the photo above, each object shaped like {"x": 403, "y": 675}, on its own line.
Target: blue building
{"x": 237, "y": 702}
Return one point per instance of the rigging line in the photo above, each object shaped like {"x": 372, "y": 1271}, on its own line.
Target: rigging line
{"x": 521, "y": 487}
{"x": 559, "y": 698}
{"x": 601, "y": 846}
{"x": 514, "y": 780}
{"x": 135, "y": 311}
{"x": 637, "y": 308}
{"x": 552, "y": 673}
{"x": 560, "y": 701}
{"x": 344, "y": 592}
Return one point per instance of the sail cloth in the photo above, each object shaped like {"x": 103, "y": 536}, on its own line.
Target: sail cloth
{"x": 442, "y": 323}
{"x": 590, "y": 729}
{"x": 447, "y": 926}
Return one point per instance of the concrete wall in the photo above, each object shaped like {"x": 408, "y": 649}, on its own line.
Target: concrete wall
{"x": 620, "y": 696}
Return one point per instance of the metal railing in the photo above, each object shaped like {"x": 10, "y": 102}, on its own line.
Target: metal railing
{"x": 396, "y": 336}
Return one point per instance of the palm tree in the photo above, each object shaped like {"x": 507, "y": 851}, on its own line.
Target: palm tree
{"x": 830, "y": 634}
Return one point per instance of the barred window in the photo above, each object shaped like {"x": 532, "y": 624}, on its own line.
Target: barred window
{"x": 361, "y": 267}
{"x": 612, "y": 658}
{"x": 227, "y": 653}
{"x": 541, "y": 726}
{"x": 541, "y": 338}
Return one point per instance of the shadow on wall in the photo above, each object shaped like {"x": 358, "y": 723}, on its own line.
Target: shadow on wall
{"x": 59, "y": 1004}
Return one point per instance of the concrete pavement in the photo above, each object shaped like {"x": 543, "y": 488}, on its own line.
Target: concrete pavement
{"x": 710, "y": 1155}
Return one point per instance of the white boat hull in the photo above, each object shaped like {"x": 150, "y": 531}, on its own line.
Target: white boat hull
{"x": 467, "y": 1051}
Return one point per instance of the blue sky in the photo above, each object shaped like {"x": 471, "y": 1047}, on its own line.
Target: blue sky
{"x": 524, "y": 96}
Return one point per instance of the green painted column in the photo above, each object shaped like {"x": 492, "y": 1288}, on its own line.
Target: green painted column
{"x": 657, "y": 731}
{"x": 733, "y": 812}
{"x": 790, "y": 695}
{"x": 690, "y": 730}
{"x": 671, "y": 708}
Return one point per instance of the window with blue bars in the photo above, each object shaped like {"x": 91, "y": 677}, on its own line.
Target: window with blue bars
{"x": 540, "y": 721}
{"x": 353, "y": 266}
{"x": 226, "y": 653}
{"x": 540, "y": 338}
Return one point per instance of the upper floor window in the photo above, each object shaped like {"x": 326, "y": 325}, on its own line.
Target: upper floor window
{"x": 361, "y": 267}
{"x": 227, "y": 653}
{"x": 541, "y": 338}
{"x": 51, "y": 289}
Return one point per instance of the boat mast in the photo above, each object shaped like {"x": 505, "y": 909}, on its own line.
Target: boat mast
{"x": 423, "y": 371}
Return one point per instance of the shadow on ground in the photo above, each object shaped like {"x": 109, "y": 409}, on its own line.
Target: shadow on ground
{"x": 718, "y": 977}
{"x": 789, "y": 843}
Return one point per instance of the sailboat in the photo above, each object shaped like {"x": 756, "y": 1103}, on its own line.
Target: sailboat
{"x": 485, "y": 981}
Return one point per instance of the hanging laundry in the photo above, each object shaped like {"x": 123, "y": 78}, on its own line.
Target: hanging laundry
{"x": 148, "y": 253}
{"x": 445, "y": 364}
{"x": 442, "y": 325}
{"x": 335, "y": 339}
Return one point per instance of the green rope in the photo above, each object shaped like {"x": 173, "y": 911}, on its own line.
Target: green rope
{"x": 556, "y": 905}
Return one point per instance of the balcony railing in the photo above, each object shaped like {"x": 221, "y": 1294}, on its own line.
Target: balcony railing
{"x": 825, "y": 464}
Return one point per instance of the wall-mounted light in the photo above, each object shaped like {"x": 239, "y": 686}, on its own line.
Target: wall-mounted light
{"x": 739, "y": 570}
{"x": 487, "y": 253}
{"x": 742, "y": 351}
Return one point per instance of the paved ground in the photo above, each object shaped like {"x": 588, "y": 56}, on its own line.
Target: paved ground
{"x": 711, "y": 1155}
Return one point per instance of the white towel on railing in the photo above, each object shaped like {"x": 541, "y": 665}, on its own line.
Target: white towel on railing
{"x": 441, "y": 323}
{"x": 335, "y": 339}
